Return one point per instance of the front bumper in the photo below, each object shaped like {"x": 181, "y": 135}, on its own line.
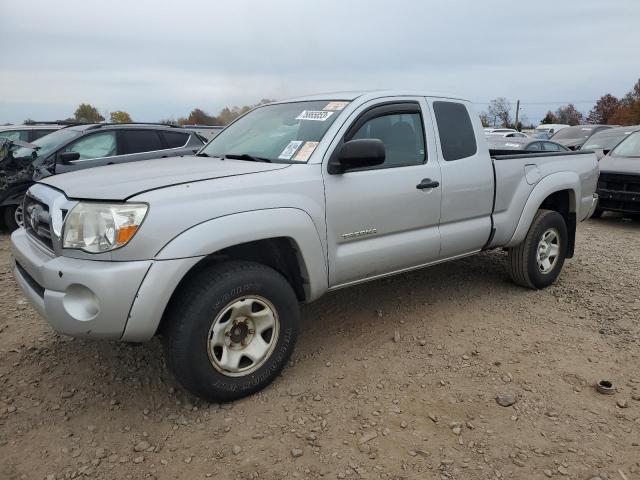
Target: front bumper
{"x": 97, "y": 299}
{"x": 593, "y": 206}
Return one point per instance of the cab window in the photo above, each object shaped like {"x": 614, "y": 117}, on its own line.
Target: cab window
{"x": 402, "y": 135}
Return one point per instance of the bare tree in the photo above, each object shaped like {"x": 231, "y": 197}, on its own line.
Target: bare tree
{"x": 499, "y": 109}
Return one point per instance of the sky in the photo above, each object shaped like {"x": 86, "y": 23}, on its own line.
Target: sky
{"x": 158, "y": 59}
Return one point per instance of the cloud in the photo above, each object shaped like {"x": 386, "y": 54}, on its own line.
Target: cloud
{"x": 162, "y": 58}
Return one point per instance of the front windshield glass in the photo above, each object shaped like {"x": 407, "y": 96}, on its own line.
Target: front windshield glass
{"x": 629, "y": 147}
{"x": 284, "y": 133}
{"x": 573, "y": 132}
{"x": 48, "y": 143}
{"x": 605, "y": 140}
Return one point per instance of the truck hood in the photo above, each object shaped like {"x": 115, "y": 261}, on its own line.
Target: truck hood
{"x": 119, "y": 182}
{"x": 620, "y": 165}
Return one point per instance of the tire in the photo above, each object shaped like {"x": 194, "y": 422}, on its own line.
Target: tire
{"x": 597, "y": 213}
{"x": 203, "y": 312}
{"x": 10, "y": 218}
{"x": 523, "y": 264}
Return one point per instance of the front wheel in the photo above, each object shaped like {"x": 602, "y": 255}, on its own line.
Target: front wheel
{"x": 230, "y": 330}
{"x": 538, "y": 260}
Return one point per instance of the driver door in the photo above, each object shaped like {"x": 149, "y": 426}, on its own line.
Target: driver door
{"x": 379, "y": 219}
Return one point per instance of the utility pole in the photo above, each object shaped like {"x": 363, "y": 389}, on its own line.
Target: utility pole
{"x": 517, "y": 113}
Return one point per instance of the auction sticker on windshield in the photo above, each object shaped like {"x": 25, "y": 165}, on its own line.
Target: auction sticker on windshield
{"x": 290, "y": 149}
{"x": 335, "y": 106}
{"x": 305, "y": 152}
{"x": 317, "y": 115}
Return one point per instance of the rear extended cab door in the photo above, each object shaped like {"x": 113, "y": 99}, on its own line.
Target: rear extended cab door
{"x": 467, "y": 177}
{"x": 378, "y": 220}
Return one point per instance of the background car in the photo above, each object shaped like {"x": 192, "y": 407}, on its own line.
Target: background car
{"x": 546, "y": 131}
{"x": 28, "y": 133}
{"x": 574, "y": 137}
{"x": 207, "y": 132}
{"x": 605, "y": 140}
{"x": 499, "y": 130}
{"x": 85, "y": 146}
{"x": 619, "y": 182}
{"x": 499, "y": 145}
{"x": 513, "y": 134}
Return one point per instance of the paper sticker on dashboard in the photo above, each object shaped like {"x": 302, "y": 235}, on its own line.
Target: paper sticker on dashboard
{"x": 317, "y": 115}
{"x": 290, "y": 149}
{"x": 335, "y": 106}
{"x": 305, "y": 152}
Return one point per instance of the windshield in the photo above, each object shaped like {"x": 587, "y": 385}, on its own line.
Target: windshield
{"x": 573, "y": 132}
{"x": 48, "y": 143}
{"x": 630, "y": 147}
{"x": 605, "y": 140}
{"x": 284, "y": 133}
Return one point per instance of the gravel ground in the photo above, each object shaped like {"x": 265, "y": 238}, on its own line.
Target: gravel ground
{"x": 395, "y": 379}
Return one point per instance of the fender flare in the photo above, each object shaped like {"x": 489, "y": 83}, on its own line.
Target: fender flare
{"x": 218, "y": 233}
{"x": 549, "y": 185}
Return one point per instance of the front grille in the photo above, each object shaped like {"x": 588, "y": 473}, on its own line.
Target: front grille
{"x": 619, "y": 192}
{"x": 37, "y": 221}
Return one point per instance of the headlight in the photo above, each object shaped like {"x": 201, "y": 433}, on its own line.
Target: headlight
{"x": 101, "y": 227}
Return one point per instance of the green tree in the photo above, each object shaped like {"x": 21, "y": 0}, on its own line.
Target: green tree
{"x": 484, "y": 118}
{"x": 569, "y": 115}
{"x": 628, "y": 112}
{"x": 120, "y": 116}
{"x": 604, "y": 109}
{"x": 86, "y": 113}
{"x": 550, "y": 117}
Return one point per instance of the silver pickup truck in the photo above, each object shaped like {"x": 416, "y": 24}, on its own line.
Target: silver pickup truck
{"x": 292, "y": 200}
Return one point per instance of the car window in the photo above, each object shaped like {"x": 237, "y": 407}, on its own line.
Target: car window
{"x": 96, "y": 145}
{"x": 402, "y": 135}
{"x": 551, "y": 147}
{"x": 457, "y": 138}
{"x": 175, "y": 139}
{"x": 14, "y": 135}
{"x": 534, "y": 146}
{"x": 39, "y": 133}
{"x": 138, "y": 141}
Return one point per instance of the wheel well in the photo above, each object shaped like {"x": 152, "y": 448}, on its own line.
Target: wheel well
{"x": 564, "y": 203}
{"x": 279, "y": 253}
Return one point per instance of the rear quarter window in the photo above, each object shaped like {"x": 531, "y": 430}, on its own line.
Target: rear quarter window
{"x": 175, "y": 139}
{"x": 457, "y": 137}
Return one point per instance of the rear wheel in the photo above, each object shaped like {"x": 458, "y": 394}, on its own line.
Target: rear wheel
{"x": 230, "y": 330}
{"x": 538, "y": 260}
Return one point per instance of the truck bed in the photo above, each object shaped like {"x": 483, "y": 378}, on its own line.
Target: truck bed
{"x": 518, "y": 174}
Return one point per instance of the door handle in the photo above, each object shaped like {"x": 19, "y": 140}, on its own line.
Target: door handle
{"x": 427, "y": 183}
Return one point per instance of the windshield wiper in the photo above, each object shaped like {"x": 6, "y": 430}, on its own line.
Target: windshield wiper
{"x": 202, "y": 154}
{"x": 246, "y": 156}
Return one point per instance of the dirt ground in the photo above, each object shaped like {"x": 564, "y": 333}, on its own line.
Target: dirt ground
{"x": 395, "y": 379}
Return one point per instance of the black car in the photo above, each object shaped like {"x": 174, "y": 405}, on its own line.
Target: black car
{"x": 83, "y": 146}
{"x": 619, "y": 182}
{"x": 505, "y": 146}
{"x": 575, "y": 137}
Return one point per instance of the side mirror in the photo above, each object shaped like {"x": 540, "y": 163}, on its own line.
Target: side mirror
{"x": 67, "y": 157}
{"x": 366, "y": 152}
